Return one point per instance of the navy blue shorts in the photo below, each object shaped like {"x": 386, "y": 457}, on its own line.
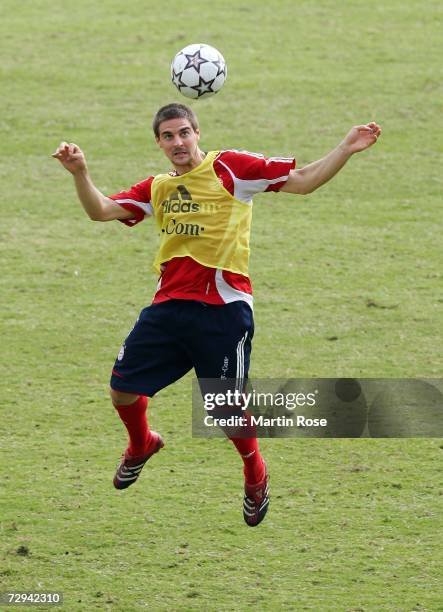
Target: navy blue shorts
{"x": 172, "y": 337}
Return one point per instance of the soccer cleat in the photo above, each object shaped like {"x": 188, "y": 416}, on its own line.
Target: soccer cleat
{"x": 256, "y": 501}
{"x": 130, "y": 467}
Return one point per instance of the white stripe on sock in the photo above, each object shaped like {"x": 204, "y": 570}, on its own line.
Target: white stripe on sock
{"x": 248, "y": 455}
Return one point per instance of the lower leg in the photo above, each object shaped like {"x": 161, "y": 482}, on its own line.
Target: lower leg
{"x": 249, "y": 451}
{"x": 132, "y": 411}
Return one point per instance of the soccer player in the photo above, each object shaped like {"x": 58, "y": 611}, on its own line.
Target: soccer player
{"x": 201, "y": 314}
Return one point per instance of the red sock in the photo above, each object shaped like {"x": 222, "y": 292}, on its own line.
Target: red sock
{"x": 254, "y": 468}
{"x": 134, "y": 418}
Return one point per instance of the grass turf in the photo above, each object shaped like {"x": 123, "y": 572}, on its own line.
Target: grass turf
{"x": 353, "y": 523}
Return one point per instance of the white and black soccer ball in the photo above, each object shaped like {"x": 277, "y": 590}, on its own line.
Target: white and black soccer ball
{"x": 198, "y": 71}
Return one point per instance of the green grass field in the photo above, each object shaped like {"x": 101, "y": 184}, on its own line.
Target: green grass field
{"x": 354, "y": 525}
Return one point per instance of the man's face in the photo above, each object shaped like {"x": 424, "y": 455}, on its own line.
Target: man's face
{"x": 179, "y": 142}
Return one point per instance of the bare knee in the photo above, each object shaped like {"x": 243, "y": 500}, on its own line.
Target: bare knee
{"x": 119, "y": 398}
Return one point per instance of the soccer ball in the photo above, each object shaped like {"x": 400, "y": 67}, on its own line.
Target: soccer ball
{"x": 198, "y": 71}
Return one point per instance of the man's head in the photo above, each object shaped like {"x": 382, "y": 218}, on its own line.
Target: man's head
{"x": 177, "y": 133}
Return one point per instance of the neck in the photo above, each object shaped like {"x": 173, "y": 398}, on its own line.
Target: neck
{"x": 195, "y": 161}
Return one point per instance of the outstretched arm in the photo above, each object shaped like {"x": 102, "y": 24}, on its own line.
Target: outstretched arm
{"x": 97, "y": 206}
{"x": 311, "y": 177}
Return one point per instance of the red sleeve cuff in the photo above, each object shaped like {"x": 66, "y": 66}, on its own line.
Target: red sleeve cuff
{"x": 137, "y": 214}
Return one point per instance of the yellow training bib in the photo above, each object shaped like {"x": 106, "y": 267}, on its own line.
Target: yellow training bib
{"x": 199, "y": 218}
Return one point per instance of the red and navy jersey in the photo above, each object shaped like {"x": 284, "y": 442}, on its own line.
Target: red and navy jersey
{"x": 243, "y": 175}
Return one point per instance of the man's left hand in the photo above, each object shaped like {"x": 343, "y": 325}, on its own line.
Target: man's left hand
{"x": 360, "y": 137}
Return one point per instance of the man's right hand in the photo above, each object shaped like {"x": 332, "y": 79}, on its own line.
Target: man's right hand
{"x": 97, "y": 206}
{"x": 71, "y": 157}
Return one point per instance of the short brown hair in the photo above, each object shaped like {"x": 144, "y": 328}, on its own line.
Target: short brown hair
{"x": 174, "y": 111}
